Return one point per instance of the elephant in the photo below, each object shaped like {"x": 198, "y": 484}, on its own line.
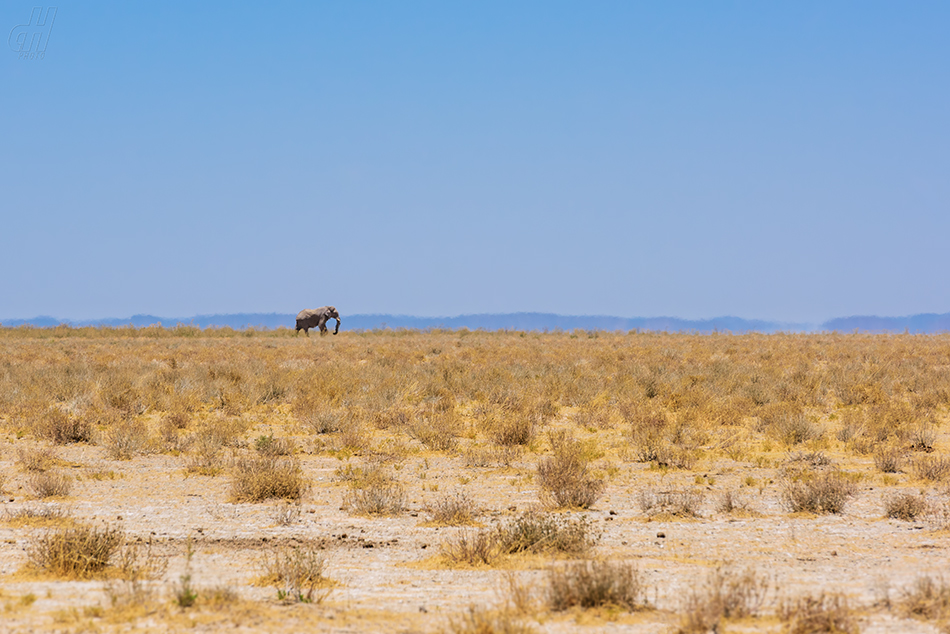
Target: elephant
{"x": 317, "y": 318}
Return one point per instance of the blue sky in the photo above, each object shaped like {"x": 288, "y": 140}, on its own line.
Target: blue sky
{"x": 783, "y": 161}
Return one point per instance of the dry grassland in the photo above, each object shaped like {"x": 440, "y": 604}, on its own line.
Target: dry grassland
{"x": 472, "y": 482}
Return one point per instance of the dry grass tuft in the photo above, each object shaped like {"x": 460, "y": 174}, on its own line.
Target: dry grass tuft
{"x": 594, "y": 584}
{"x": 819, "y": 614}
{"x": 821, "y": 493}
{"x": 256, "y": 479}
{"x": 889, "y": 459}
{"x": 905, "y": 506}
{"x": 375, "y": 492}
{"x": 297, "y": 573}
{"x": 272, "y": 447}
{"x": 684, "y": 503}
{"x": 927, "y": 598}
{"x": 472, "y": 548}
{"x": 481, "y": 621}
{"x": 125, "y": 438}
{"x": 78, "y": 552}
{"x": 62, "y": 428}
{"x": 538, "y": 532}
{"x": 453, "y": 510}
{"x": 47, "y": 484}
{"x": 726, "y": 594}
{"x": 38, "y": 459}
{"x": 932, "y": 468}
{"x": 564, "y": 477}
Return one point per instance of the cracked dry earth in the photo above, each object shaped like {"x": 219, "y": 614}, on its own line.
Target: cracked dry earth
{"x": 386, "y": 571}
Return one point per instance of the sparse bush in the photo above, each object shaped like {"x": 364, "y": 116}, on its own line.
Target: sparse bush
{"x": 287, "y": 514}
{"x": 297, "y": 573}
{"x": 45, "y": 484}
{"x": 125, "y": 439}
{"x": 260, "y": 478}
{"x": 564, "y": 477}
{"x": 38, "y": 459}
{"x": 375, "y": 493}
{"x": 725, "y": 594}
{"x": 205, "y": 457}
{"x": 732, "y": 501}
{"x": 272, "y": 447}
{"x": 675, "y": 502}
{"x": 438, "y": 432}
{"x": 823, "y": 493}
{"x": 922, "y": 438}
{"x": 593, "y": 584}
{"x": 927, "y": 598}
{"x": 491, "y": 456}
{"x": 538, "y": 532}
{"x": 905, "y": 506}
{"x": 80, "y": 551}
{"x": 511, "y": 429}
{"x": 482, "y": 621}
{"x": 810, "y": 458}
{"x": 889, "y": 459}
{"x": 45, "y": 515}
{"x": 61, "y": 428}
{"x": 819, "y": 614}
{"x": 933, "y": 468}
{"x": 472, "y": 547}
{"x": 453, "y": 510}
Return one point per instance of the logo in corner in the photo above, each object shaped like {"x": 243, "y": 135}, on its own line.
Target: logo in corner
{"x": 30, "y": 40}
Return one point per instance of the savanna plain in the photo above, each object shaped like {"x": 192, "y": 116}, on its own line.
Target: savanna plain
{"x": 174, "y": 479}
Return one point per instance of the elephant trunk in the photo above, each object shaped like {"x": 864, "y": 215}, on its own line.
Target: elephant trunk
{"x": 337, "y": 329}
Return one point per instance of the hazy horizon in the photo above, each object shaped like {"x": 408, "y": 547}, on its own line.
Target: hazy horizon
{"x": 781, "y": 162}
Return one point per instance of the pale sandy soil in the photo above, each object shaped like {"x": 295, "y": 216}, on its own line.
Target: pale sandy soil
{"x": 387, "y": 574}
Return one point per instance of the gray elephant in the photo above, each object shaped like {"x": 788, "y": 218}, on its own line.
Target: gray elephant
{"x": 317, "y": 318}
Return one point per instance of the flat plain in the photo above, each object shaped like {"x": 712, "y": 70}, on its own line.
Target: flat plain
{"x": 173, "y": 479}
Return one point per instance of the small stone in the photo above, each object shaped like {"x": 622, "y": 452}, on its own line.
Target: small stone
{"x": 118, "y": 517}
{"x": 661, "y": 535}
{"x": 424, "y": 546}
{"x": 612, "y": 512}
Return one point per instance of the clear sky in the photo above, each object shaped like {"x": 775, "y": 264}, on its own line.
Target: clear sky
{"x": 785, "y": 161}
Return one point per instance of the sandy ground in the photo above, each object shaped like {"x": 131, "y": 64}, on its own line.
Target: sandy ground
{"x": 386, "y": 571}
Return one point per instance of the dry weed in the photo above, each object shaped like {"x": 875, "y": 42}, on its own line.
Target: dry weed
{"x": 594, "y": 584}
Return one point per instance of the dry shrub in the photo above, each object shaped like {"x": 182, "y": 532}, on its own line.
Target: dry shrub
{"x": 77, "y": 552}
{"x": 61, "y": 428}
{"x": 821, "y": 493}
{"x": 726, "y": 594}
{"x": 795, "y": 428}
{"x": 272, "y": 447}
{"x": 205, "y": 456}
{"x": 287, "y": 514}
{"x": 512, "y": 429}
{"x": 481, "y": 621}
{"x": 178, "y": 419}
{"x": 564, "y": 478}
{"x": 810, "y": 458}
{"x": 453, "y": 510}
{"x": 46, "y": 484}
{"x": 647, "y": 430}
{"x": 321, "y": 420}
{"x": 819, "y": 614}
{"x": 933, "y": 468}
{"x": 922, "y": 438}
{"x": 255, "y": 479}
{"x": 125, "y": 439}
{"x": 539, "y": 532}
{"x": 927, "y": 598}
{"x": 471, "y": 547}
{"x": 491, "y": 456}
{"x": 296, "y": 572}
{"x": 375, "y": 493}
{"x": 889, "y": 459}
{"x": 732, "y": 501}
{"x": 905, "y": 506}
{"x": 674, "y": 502}
{"x": 594, "y": 584}
{"x": 852, "y": 425}
{"x": 37, "y": 516}
{"x": 38, "y": 459}
{"x": 438, "y": 431}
